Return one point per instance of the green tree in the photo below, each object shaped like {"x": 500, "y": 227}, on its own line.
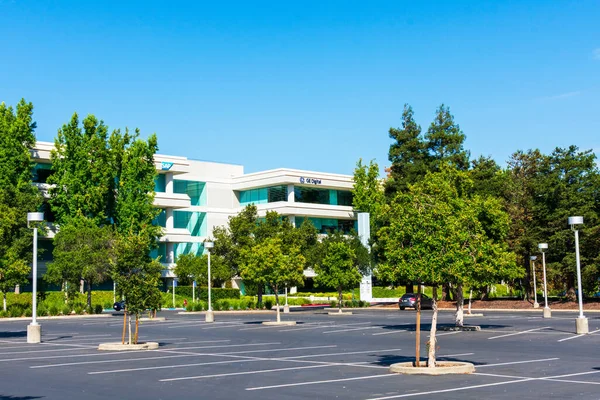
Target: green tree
{"x": 567, "y": 184}
{"x": 367, "y": 192}
{"x": 137, "y": 277}
{"x": 17, "y": 194}
{"x": 342, "y": 262}
{"x": 445, "y": 142}
{"x": 436, "y": 236}
{"x": 275, "y": 264}
{"x": 83, "y": 250}
{"x": 84, "y": 177}
{"x": 408, "y": 154}
{"x": 189, "y": 268}
{"x": 488, "y": 178}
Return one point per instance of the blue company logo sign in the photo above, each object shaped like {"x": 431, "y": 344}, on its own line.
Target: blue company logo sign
{"x": 310, "y": 181}
{"x": 165, "y": 166}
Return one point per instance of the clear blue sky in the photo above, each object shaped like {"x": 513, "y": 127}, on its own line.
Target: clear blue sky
{"x": 310, "y": 85}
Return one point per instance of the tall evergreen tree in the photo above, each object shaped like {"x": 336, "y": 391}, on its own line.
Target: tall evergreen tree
{"x": 408, "y": 154}
{"x": 445, "y": 142}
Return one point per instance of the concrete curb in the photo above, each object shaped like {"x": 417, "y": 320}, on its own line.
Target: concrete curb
{"x": 57, "y": 317}
{"x": 128, "y": 347}
{"x": 280, "y": 323}
{"x": 441, "y": 368}
{"x": 226, "y": 312}
{"x": 473, "y": 315}
{"x": 333, "y": 313}
{"x": 536, "y": 310}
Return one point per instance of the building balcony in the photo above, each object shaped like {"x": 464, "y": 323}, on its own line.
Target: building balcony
{"x": 172, "y": 200}
{"x": 307, "y": 210}
{"x": 177, "y": 235}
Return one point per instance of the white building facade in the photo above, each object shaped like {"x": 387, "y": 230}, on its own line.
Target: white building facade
{"x": 197, "y": 196}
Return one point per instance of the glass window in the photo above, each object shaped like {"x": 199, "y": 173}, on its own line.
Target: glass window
{"x": 160, "y": 183}
{"x": 41, "y": 172}
{"x": 161, "y": 219}
{"x": 193, "y": 189}
{"x": 344, "y": 198}
{"x": 303, "y": 194}
{"x": 263, "y": 195}
{"x": 328, "y": 225}
{"x": 195, "y": 222}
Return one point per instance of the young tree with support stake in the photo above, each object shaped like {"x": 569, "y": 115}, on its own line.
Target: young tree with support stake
{"x": 342, "y": 262}
{"x": 436, "y": 236}
{"x": 275, "y": 264}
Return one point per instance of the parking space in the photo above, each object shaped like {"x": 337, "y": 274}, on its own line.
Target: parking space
{"x": 516, "y": 354}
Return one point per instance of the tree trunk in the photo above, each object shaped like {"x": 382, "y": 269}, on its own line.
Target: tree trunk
{"x": 277, "y": 303}
{"x": 124, "y": 326}
{"x": 4, "y": 301}
{"x": 446, "y": 293}
{"x": 137, "y": 326}
{"x": 89, "y": 294}
{"x": 432, "y": 339}
{"x": 129, "y": 324}
{"x": 459, "y": 305}
{"x": 418, "y": 333}
{"x": 340, "y": 299}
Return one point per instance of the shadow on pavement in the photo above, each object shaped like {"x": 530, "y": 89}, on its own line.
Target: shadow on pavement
{"x": 13, "y": 335}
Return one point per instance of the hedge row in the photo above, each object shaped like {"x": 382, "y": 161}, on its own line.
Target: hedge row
{"x": 202, "y": 293}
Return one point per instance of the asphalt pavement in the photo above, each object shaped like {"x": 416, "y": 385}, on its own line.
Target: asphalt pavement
{"x": 517, "y": 355}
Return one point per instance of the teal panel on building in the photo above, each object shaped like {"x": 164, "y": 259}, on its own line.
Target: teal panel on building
{"x": 161, "y": 219}
{"x": 193, "y": 221}
{"x": 160, "y": 184}
{"x": 263, "y": 195}
{"x": 328, "y": 225}
{"x": 196, "y": 191}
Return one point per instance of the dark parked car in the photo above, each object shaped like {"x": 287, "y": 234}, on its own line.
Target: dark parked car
{"x": 119, "y": 305}
{"x": 410, "y": 300}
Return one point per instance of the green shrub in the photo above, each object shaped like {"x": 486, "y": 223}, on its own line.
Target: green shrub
{"x": 98, "y": 309}
{"x": 224, "y": 304}
{"x": 42, "y": 310}
{"x": 333, "y": 303}
{"x": 268, "y": 304}
{"x": 15, "y": 311}
{"x": 66, "y": 309}
{"x": 53, "y": 310}
{"x": 28, "y": 312}
{"x": 185, "y": 292}
{"x": 3, "y": 314}
{"x": 107, "y": 304}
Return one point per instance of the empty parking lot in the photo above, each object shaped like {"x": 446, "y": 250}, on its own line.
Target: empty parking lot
{"x": 516, "y": 355}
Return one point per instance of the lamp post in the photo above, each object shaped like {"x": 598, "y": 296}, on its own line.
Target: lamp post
{"x": 535, "y": 302}
{"x": 34, "y": 330}
{"x": 547, "y": 312}
{"x": 210, "y": 317}
{"x": 581, "y": 322}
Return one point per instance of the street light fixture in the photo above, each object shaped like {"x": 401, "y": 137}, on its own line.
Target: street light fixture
{"x": 34, "y": 330}
{"x": 535, "y": 302}
{"x": 581, "y": 322}
{"x": 210, "y": 317}
{"x": 547, "y": 312}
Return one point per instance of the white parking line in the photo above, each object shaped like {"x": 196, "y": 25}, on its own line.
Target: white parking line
{"x": 518, "y": 362}
{"x": 576, "y": 336}
{"x": 518, "y": 333}
{"x": 452, "y": 389}
{"x": 389, "y": 333}
{"x": 323, "y": 325}
{"x": 326, "y": 381}
{"x": 263, "y": 371}
{"x": 569, "y": 381}
{"x": 175, "y": 351}
{"x": 211, "y": 362}
{"x": 353, "y": 329}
